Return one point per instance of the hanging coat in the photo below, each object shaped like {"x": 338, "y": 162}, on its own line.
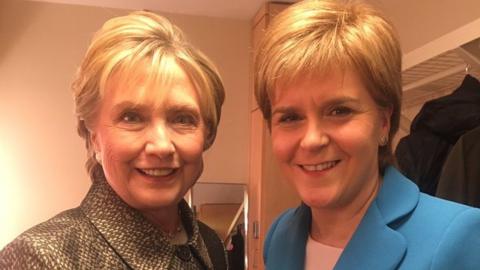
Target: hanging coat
{"x": 435, "y": 130}
{"x": 460, "y": 178}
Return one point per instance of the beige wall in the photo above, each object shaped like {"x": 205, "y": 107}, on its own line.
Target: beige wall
{"x": 41, "y": 156}
{"x": 421, "y": 21}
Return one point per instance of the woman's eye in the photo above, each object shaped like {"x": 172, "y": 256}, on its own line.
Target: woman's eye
{"x": 341, "y": 111}
{"x": 288, "y": 118}
{"x": 131, "y": 117}
{"x": 185, "y": 120}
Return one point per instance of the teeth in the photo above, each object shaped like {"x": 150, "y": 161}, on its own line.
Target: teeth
{"x": 157, "y": 172}
{"x": 320, "y": 167}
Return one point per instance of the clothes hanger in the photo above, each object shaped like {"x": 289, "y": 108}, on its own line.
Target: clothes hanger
{"x": 467, "y": 69}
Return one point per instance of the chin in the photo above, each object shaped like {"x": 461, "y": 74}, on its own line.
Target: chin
{"x": 154, "y": 200}
{"x": 319, "y": 201}
{"x": 317, "y": 204}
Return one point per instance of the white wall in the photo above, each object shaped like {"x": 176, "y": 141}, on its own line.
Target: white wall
{"x": 421, "y": 21}
{"x": 41, "y": 157}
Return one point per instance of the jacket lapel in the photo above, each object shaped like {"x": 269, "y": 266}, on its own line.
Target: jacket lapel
{"x": 373, "y": 246}
{"x": 287, "y": 248}
{"x": 376, "y": 244}
{"x": 134, "y": 240}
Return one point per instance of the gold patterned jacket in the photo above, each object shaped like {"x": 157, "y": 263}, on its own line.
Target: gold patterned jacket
{"x": 105, "y": 233}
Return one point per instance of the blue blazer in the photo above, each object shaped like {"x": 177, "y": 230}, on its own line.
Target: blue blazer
{"x": 402, "y": 229}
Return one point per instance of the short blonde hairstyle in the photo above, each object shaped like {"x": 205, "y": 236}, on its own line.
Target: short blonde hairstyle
{"x": 317, "y": 36}
{"x": 142, "y": 38}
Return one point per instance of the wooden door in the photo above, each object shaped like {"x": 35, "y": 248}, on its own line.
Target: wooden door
{"x": 269, "y": 193}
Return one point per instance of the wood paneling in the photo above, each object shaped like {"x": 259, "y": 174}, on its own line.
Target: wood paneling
{"x": 269, "y": 192}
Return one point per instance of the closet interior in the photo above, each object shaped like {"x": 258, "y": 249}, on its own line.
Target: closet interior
{"x": 438, "y": 145}
{"x": 436, "y": 70}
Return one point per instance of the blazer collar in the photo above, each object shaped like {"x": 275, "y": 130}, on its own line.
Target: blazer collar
{"x": 287, "y": 247}
{"x": 133, "y": 238}
{"x": 376, "y": 244}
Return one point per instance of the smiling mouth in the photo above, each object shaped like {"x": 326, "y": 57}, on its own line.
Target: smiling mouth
{"x": 320, "y": 167}
{"x": 158, "y": 172}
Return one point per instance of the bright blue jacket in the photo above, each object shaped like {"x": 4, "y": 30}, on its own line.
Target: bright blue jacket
{"x": 402, "y": 229}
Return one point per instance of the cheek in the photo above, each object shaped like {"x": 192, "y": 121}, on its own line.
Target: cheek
{"x": 190, "y": 148}
{"x": 283, "y": 145}
{"x": 190, "y": 152}
{"x": 121, "y": 146}
{"x": 359, "y": 137}
{"x": 115, "y": 160}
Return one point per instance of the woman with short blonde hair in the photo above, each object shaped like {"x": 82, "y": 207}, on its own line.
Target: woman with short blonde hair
{"x": 321, "y": 35}
{"x": 328, "y": 82}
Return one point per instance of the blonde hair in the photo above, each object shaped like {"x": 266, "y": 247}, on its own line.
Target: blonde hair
{"x": 315, "y": 36}
{"x": 142, "y": 38}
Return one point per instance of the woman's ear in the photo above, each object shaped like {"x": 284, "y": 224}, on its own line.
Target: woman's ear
{"x": 386, "y": 116}
{"x": 94, "y": 140}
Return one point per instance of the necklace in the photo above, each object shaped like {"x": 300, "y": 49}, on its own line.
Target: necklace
{"x": 178, "y": 235}
{"x": 171, "y": 235}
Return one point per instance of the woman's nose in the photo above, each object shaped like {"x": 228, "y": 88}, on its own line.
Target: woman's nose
{"x": 314, "y": 138}
{"x": 159, "y": 141}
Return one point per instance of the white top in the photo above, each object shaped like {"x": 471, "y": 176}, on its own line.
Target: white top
{"x": 319, "y": 256}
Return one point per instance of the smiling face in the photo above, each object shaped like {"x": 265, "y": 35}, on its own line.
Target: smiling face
{"x": 150, "y": 137}
{"x": 325, "y": 134}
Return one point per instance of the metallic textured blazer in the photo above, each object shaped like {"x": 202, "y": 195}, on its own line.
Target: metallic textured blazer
{"x": 105, "y": 233}
{"x": 402, "y": 229}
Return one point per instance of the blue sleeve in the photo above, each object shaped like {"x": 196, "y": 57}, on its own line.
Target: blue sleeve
{"x": 460, "y": 246}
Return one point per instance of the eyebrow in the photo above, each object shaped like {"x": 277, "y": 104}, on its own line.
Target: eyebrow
{"x": 329, "y": 103}
{"x": 128, "y": 105}
{"x": 341, "y": 100}
{"x": 183, "y": 108}
{"x": 283, "y": 110}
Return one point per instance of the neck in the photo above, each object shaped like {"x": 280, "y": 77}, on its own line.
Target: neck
{"x": 166, "y": 219}
{"x": 335, "y": 226}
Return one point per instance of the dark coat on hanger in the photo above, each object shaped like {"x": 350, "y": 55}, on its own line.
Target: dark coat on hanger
{"x": 460, "y": 178}
{"x": 435, "y": 130}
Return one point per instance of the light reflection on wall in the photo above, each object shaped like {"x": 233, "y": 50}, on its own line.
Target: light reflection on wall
{"x": 10, "y": 189}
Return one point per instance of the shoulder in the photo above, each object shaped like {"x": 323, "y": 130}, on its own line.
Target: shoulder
{"x": 440, "y": 214}
{"x": 459, "y": 241}
{"x": 22, "y": 253}
{"x": 441, "y": 210}
{"x": 64, "y": 227}
{"x": 449, "y": 231}
{"x": 45, "y": 243}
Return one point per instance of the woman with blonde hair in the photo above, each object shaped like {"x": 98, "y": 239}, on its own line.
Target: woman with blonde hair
{"x": 148, "y": 104}
{"x": 328, "y": 82}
